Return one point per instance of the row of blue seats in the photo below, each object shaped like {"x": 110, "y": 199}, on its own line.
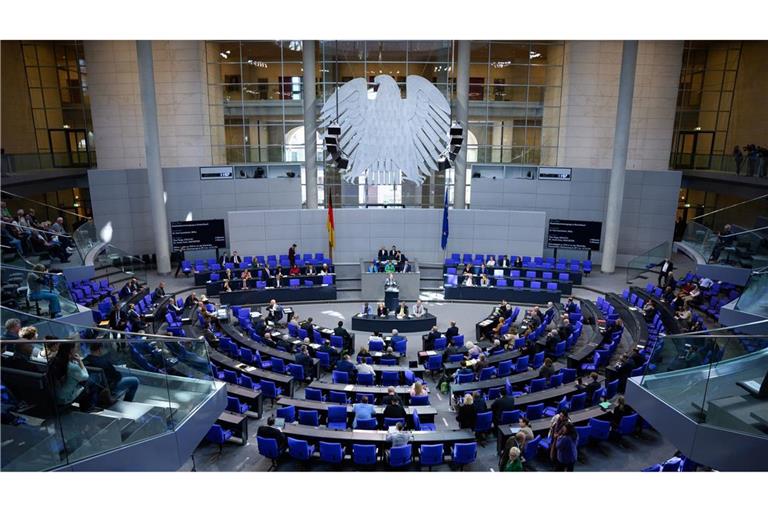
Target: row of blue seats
{"x": 201, "y": 265}
{"x": 341, "y": 397}
{"x": 336, "y": 418}
{"x": 293, "y": 282}
{"x": 528, "y": 261}
{"x": 87, "y": 292}
{"x": 529, "y": 274}
{"x": 453, "y": 281}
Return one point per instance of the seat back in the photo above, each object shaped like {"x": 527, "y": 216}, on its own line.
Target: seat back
{"x": 538, "y": 385}
{"x": 627, "y": 424}
{"x": 505, "y": 368}
{"x": 522, "y": 364}
{"x": 400, "y": 455}
{"x": 431, "y": 454}
{"x": 296, "y": 371}
{"x": 337, "y": 342}
{"x": 365, "y": 379}
{"x": 583, "y": 433}
{"x": 538, "y": 360}
{"x": 599, "y": 429}
{"x": 309, "y": 418}
{"x": 531, "y": 448}
{"x": 313, "y": 394}
{"x": 287, "y": 413}
{"x": 337, "y": 397}
{"x": 509, "y": 417}
{"x": 331, "y": 452}
{"x": 578, "y": 401}
{"x": 298, "y": 449}
{"x": 534, "y": 411}
{"x": 420, "y": 400}
{"x": 337, "y": 414}
{"x": 556, "y": 380}
{"x": 268, "y": 388}
{"x": 375, "y": 345}
{"x": 338, "y": 377}
{"x": 484, "y": 421}
{"x": 569, "y": 374}
{"x": 458, "y": 341}
{"x": 487, "y": 373}
{"x": 268, "y": 447}
{"x": 464, "y": 453}
{"x": 369, "y": 424}
{"x": 364, "y": 454}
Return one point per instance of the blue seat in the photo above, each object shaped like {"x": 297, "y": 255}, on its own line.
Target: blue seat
{"x": 340, "y": 377}
{"x": 611, "y": 388}
{"x": 536, "y": 285}
{"x": 599, "y": 429}
{"x": 364, "y": 454}
{"x": 369, "y": 424}
{"x": 522, "y": 364}
{"x": 505, "y": 368}
{"x": 458, "y": 341}
{"x": 365, "y": 379}
{"x": 556, "y": 380}
{"x": 430, "y": 455}
{"x": 434, "y": 363}
{"x": 584, "y": 434}
{"x": 391, "y": 422}
{"x": 359, "y": 397}
{"x": 390, "y": 378}
{"x": 509, "y": 417}
{"x": 325, "y": 360}
{"x": 578, "y": 401}
{"x": 562, "y": 405}
{"x": 464, "y": 453}
{"x": 400, "y": 456}
{"x": 230, "y": 376}
{"x": 569, "y": 375}
{"x": 531, "y": 448}
{"x": 484, "y": 422}
{"x": 464, "y": 378}
{"x": 296, "y": 371}
{"x": 337, "y": 342}
{"x": 310, "y": 418}
{"x": 270, "y": 390}
{"x": 375, "y": 345}
{"x": 534, "y": 411}
{"x": 420, "y": 400}
{"x": 538, "y": 360}
{"x": 278, "y": 365}
{"x": 455, "y": 358}
{"x": 300, "y": 449}
{"x": 218, "y": 435}
{"x": 293, "y": 330}
{"x": 313, "y": 394}
{"x": 419, "y": 426}
{"x": 487, "y": 373}
{"x": 537, "y": 385}
{"x": 234, "y": 405}
{"x": 559, "y": 350}
{"x": 627, "y": 425}
{"x": 331, "y": 452}
{"x": 337, "y": 397}
{"x": 337, "y": 417}
{"x": 269, "y": 448}
{"x": 550, "y": 286}
{"x": 400, "y": 346}
{"x": 288, "y": 413}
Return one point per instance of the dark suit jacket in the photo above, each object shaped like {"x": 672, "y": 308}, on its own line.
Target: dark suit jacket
{"x": 451, "y": 332}
{"x": 402, "y": 310}
{"x": 394, "y": 411}
{"x": 467, "y": 416}
{"x": 382, "y": 255}
{"x": 505, "y": 403}
{"x": 345, "y": 366}
{"x": 310, "y": 331}
{"x": 381, "y": 312}
{"x": 272, "y": 433}
{"x": 305, "y": 361}
{"x": 159, "y": 292}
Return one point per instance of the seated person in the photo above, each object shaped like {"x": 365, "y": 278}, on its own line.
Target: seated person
{"x": 304, "y": 360}
{"x": 468, "y": 280}
{"x": 363, "y": 368}
{"x": 590, "y": 388}
{"x": 324, "y": 270}
{"x": 418, "y": 309}
{"x": 40, "y": 287}
{"x": 391, "y": 397}
{"x": 451, "y": 332}
{"x": 69, "y": 377}
{"x": 309, "y": 269}
{"x": 279, "y": 277}
{"x": 363, "y": 411}
{"x": 274, "y": 312}
{"x": 367, "y": 310}
{"x": 553, "y": 338}
{"x": 269, "y": 431}
{"x": 402, "y": 310}
{"x": 419, "y": 389}
{"x": 433, "y": 334}
{"x": 389, "y": 355}
{"x": 463, "y": 370}
{"x": 339, "y": 330}
{"x": 245, "y": 276}
{"x": 518, "y": 262}
{"x": 547, "y": 369}
{"x": 294, "y": 270}
{"x": 484, "y": 281}
{"x": 504, "y": 262}
{"x": 382, "y": 256}
{"x": 381, "y": 310}
{"x": 490, "y": 262}
{"x": 118, "y": 383}
{"x": 345, "y": 365}
{"x": 394, "y": 408}
{"x": 565, "y": 329}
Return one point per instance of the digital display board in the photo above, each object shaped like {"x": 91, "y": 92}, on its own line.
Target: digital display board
{"x": 198, "y": 234}
{"x": 574, "y": 234}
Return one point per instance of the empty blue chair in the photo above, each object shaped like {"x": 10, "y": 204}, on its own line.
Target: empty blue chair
{"x": 537, "y": 385}
{"x": 359, "y": 397}
{"x": 230, "y": 376}
{"x": 420, "y": 400}
{"x": 517, "y": 283}
{"x": 484, "y": 422}
{"x": 337, "y": 342}
{"x": 514, "y": 273}
{"x": 464, "y": 378}
{"x": 550, "y": 286}
{"x": 538, "y": 360}
{"x": 431, "y": 455}
{"x": 556, "y": 380}
{"x": 296, "y": 371}
{"x": 563, "y": 277}
{"x": 269, "y": 448}
{"x": 338, "y": 377}
{"x": 546, "y": 275}
{"x": 423, "y": 427}
{"x": 505, "y": 368}
{"x": 215, "y": 277}
{"x": 310, "y": 418}
{"x": 501, "y": 283}
{"x": 365, "y": 379}
{"x": 288, "y": 413}
{"x": 337, "y": 417}
{"x": 578, "y": 401}
{"x": 458, "y": 341}
{"x": 246, "y": 382}
{"x": 510, "y": 417}
{"x": 400, "y": 456}
{"x": 627, "y": 425}
{"x": 562, "y": 405}
{"x": 270, "y": 390}
{"x": 587, "y": 266}
{"x": 327, "y": 280}
{"x": 331, "y": 452}
{"x": 338, "y": 397}
{"x": 364, "y": 454}
{"x": 434, "y": 363}
{"x": 487, "y": 373}
{"x": 522, "y": 364}
{"x": 534, "y": 411}
{"x": 313, "y": 394}
{"x": 455, "y": 358}
{"x": 300, "y": 449}
{"x": 559, "y": 350}
{"x": 294, "y": 283}
{"x": 218, "y": 435}
{"x": 569, "y": 375}
{"x": 536, "y": 285}
{"x": 400, "y": 346}
{"x": 325, "y": 360}
{"x": 369, "y": 424}
{"x": 463, "y": 454}
{"x": 391, "y": 422}
{"x": 390, "y": 378}
{"x": 611, "y": 388}
{"x": 530, "y": 274}
{"x": 599, "y": 429}
{"x": 375, "y": 345}
{"x": 278, "y": 365}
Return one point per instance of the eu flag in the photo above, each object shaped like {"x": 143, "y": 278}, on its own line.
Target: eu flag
{"x": 444, "y": 241}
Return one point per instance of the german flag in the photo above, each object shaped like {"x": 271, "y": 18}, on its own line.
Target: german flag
{"x": 331, "y": 226}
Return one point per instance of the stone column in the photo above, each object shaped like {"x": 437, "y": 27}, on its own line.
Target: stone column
{"x": 462, "y": 116}
{"x": 310, "y": 124}
{"x": 619, "y": 166}
{"x": 152, "y": 148}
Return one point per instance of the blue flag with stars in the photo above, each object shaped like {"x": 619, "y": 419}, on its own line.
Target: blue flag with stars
{"x": 444, "y": 241}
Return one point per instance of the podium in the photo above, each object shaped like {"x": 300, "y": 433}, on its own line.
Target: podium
{"x": 392, "y": 297}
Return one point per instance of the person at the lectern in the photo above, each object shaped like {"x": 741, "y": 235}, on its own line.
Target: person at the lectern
{"x": 367, "y": 310}
{"x": 418, "y": 309}
{"x": 292, "y": 254}
{"x": 402, "y": 311}
{"x": 381, "y": 311}
{"x": 390, "y": 282}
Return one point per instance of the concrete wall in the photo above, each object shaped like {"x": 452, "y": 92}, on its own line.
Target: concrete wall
{"x": 361, "y": 232}
{"x": 749, "y": 110}
{"x": 121, "y": 196}
{"x": 589, "y": 98}
{"x": 648, "y": 216}
{"x": 18, "y": 128}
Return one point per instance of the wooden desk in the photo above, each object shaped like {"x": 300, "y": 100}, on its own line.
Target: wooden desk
{"x": 426, "y": 413}
{"x": 248, "y": 396}
{"x": 238, "y": 423}
{"x": 494, "y": 359}
{"x": 552, "y": 395}
{"x": 286, "y": 381}
{"x": 378, "y": 392}
{"x": 347, "y": 438}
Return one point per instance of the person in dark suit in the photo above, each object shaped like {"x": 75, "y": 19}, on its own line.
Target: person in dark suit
{"x": 665, "y": 267}
{"x": 590, "y": 388}
{"x": 304, "y": 360}
{"x": 553, "y": 338}
{"x": 467, "y": 414}
{"x": 339, "y": 330}
{"x": 160, "y": 290}
{"x": 126, "y": 290}
{"x": 451, "y": 331}
{"x": 382, "y": 255}
{"x": 618, "y": 326}
{"x": 547, "y": 369}
{"x": 310, "y": 328}
{"x": 191, "y": 301}
{"x": 518, "y": 262}
{"x": 433, "y": 334}
{"x": 565, "y": 329}
{"x": 501, "y": 404}
{"x": 333, "y": 356}
{"x": 570, "y": 305}
{"x": 382, "y": 311}
{"x": 269, "y": 431}
{"x": 503, "y": 262}
{"x": 116, "y": 319}
{"x": 392, "y": 253}
{"x": 391, "y": 397}
{"x": 624, "y": 370}
{"x": 394, "y": 408}
{"x": 133, "y": 319}
{"x": 292, "y": 254}
{"x": 345, "y": 365}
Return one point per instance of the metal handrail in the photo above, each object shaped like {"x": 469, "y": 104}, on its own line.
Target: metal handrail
{"x": 45, "y": 204}
{"x": 745, "y": 232}
{"x": 729, "y": 207}
{"x": 34, "y": 229}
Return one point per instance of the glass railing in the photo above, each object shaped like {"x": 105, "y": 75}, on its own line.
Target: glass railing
{"x": 700, "y": 238}
{"x": 643, "y": 263}
{"x": 43, "y": 293}
{"x": 42, "y": 245}
{"x": 128, "y": 390}
{"x": 111, "y": 260}
{"x": 715, "y": 379}
{"x": 754, "y": 298}
{"x": 747, "y": 248}
{"x": 20, "y": 162}
{"x": 85, "y": 237}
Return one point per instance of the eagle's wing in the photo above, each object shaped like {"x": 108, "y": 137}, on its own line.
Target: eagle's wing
{"x": 351, "y": 117}
{"x": 428, "y": 122}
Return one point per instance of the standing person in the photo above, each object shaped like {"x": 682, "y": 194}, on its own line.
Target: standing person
{"x": 467, "y": 414}
{"x": 514, "y": 463}
{"x": 753, "y": 159}
{"x": 567, "y": 448}
{"x": 292, "y": 255}
{"x": 738, "y": 157}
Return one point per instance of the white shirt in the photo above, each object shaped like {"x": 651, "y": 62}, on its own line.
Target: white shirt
{"x": 364, "y": 368}
{"x": 418, "y": 310}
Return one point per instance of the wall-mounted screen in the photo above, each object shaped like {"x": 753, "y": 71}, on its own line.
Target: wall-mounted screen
{"x": 198, "y": 234}
{"x": 574, "y": 234}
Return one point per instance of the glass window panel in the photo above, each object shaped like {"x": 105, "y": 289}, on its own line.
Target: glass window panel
{"x": 266, "y": 51}
{"x": 343, "y": 50}
{"x": 33, "y": 76}
{"x": 478, "y": 51}
{"x": 36, "y": 98}
{"x": 42, "y": 139}
{"x": 55, "y": 118}
{"x": 381, "y": 51}
{"x": 49, "y": 77}
{"x": 30, "y": 56}
{"x": 512, "y": 53}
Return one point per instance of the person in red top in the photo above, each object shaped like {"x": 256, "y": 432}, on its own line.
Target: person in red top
{"x": 294, "y": 270}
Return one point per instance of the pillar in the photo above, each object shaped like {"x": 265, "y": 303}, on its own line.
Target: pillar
{"x": 462, "y": 116}
{"x": 310, "y": 124}
{"x": 619, "y": 165}
{"x": 152, "y": 148}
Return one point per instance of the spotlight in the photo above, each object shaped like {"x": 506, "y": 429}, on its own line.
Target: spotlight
{"x": 443, "y": 164}
{"x": 342, "y": 163}
{"x": 334, "y": 129}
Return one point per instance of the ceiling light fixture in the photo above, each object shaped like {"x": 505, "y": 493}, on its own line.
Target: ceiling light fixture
{"x": 533, "y": 55}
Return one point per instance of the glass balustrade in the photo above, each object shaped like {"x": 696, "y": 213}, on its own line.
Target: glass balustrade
{"x": 85, "y": 237}
{"x": 700, "y": 238}
{"x": 41, "y": 245}
{"x": 754, "y": 299}
{"x": 130, "y": 388}
{"x": 642, "y": 263}
{"x": 111, "y": 260}
{"x": 38, "y": 292}
{"x": 747, "y": 249}
{"x": 715, "y": 379}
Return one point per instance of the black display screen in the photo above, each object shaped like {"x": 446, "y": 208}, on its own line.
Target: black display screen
{"x": 574, "y": 234}
{"x": 198, "y": 234}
